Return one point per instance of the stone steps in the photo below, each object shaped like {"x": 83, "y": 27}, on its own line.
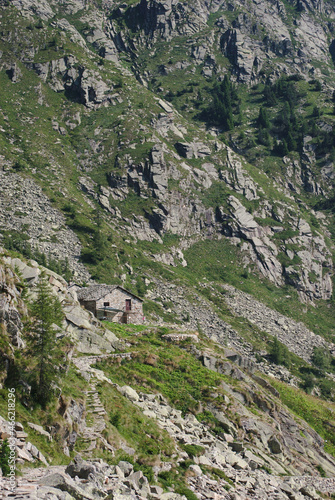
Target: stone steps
{"x": 95, "y": 422}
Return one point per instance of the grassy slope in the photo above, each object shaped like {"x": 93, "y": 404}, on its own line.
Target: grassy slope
{"x": 172, "y": 370}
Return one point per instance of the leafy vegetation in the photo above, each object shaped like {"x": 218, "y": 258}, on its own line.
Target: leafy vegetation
{"x": 128, "y": 423}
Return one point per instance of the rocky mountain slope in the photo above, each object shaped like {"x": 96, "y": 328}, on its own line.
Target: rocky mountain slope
{"x": 157, "y": 171}
{"x": 185, "y": 150}
{"x": 215, "y": 427}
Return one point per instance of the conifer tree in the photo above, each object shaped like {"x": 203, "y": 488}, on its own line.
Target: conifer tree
{"x": 291, "y": 142}
{"x": 263, "y": 119}
{"x": 276, "y": 352}
{"x": 224, "y": 103}
{"x": 46, "y": 313}
{"x": 4, "y": 458}
{"x": 269, "y": 95}
{"x": 279, "y": 353}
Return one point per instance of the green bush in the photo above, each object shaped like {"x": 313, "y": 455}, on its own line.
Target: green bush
{"x": 321, "y": 471}
{"x": 279, "y": 353}
{"x": 4, "y": 458}
{"x": 115, "y": 419}
{"x": 321, "y": 358}
{"x": 147, "y": 471}
{"x": 193, "y": 450}
{"x": 308, "y": 382}
{"x": 167, "y": 478}
{"x": 183, "y": 490}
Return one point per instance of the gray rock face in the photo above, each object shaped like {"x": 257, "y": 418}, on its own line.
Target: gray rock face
{"x": 193, "y": 150}
{"x": 14, "y": 73}
{"x": 238, "y": 50}
{"x": 237, "y": 178}
{"x": 162, "y": 19}
{"x": 129, "y": 393}
{"x": 25, "y": 451}
{"x": 74, "y": 35}
{"x": 10, "y": 301}
{"x": 41, "y": 9}
{"x": 264, "y": 249}
{"x": 62, "y": 482}
{"x": 313, "y": 255}
{"x": 72, "y": 6}
{"x": 86, "y": 85}
{"x": 125, "y": 467}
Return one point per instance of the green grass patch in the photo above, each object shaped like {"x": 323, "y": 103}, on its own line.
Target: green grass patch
{"x": 142, "y": 433}
{"x": 171, "y": 371}
{"x": 317, "y": 413}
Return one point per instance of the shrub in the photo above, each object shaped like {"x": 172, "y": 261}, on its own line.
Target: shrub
{"x": 115, "y": 419}
{"x": 193, "y": 450}
{"x": 4, "y": 458}
{"x": 308, "y": 382}
{"x": 321, "y": 358}
{"x": 182, "y": 490}
{"x": 147, "y": 471}
{"x": 279, "y": 353}
{"x": 321, "y": 471}
{"x": 166, "y": 477}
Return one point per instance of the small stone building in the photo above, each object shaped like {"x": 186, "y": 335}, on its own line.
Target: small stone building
{"x": 112, "y": 302}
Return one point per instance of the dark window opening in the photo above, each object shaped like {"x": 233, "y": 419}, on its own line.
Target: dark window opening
{"x": 128, "y": 304}
{"x": 106, "y": 304}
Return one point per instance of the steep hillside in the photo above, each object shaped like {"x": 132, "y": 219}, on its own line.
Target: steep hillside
{"x": 153, "y": 411}
{"x": 250, "y": 164}
{"x": 186, "y": 151}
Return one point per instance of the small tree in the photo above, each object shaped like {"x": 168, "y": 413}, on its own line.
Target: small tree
{"x": 276, "y": 352}
{"x": 279, "y": 353}
{"x": 321, "y": 358}
{"x": 263, "y": 119}
{"x": 4, "y": 458}
{"x": 46, "y": 312}
{"x": 264, "y": 137}
{"x": 308, "y": 383}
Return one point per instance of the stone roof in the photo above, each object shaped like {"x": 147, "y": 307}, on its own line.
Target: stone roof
{"x": 96, "y": 292}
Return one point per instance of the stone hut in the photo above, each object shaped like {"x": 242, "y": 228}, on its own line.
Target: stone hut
{"x": 112, "y": 302}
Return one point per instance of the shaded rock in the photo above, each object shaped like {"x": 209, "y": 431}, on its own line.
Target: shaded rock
{"x": 274, "y": 445}
{"x": 80, "y": 468}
